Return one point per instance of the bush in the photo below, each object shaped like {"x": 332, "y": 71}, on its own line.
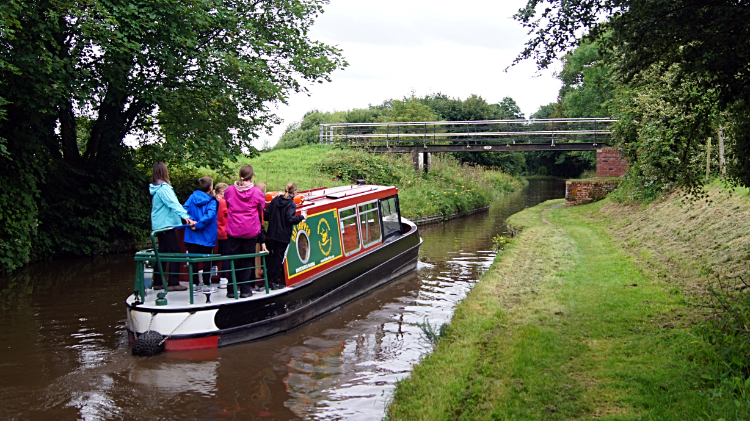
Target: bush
{"x": 636, "y": 187}
{"x": 19, "y": 211}
{"x": 101, "y": 210}
{"x": 350, "y": 166}
{"x": 447, "y": 188}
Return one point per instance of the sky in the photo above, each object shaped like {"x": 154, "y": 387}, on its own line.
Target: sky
{"x": 457, "y": 48}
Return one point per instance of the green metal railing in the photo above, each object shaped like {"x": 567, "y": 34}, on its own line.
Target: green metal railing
{"x": 153, "y": 255}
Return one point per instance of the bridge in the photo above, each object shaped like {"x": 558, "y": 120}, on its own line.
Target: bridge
{"x": 422, "y": 138}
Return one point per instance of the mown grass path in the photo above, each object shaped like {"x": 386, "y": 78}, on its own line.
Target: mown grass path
{"x": 565, "y": 325}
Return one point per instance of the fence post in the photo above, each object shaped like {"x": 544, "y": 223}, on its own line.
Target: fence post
{"x": 234, "y": 282}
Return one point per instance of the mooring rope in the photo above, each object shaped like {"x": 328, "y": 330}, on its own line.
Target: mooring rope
{"x": 175, "y": 329}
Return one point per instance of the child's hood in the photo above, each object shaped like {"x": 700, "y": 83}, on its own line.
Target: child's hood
{"x": 200, "y": 198}
{"x": 245, "y": 193}
{"x": 153, "y": 188}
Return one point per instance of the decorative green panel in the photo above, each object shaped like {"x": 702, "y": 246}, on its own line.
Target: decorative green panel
{"x": 314, "y": 241}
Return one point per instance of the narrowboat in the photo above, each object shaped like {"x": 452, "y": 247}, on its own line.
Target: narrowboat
{"x": 353, "y": 241}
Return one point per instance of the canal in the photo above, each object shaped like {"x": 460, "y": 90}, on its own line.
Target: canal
{"x": 64, "y": 351}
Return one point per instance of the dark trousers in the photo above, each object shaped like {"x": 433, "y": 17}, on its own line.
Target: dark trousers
{"x": 168, "y": 243}
{"x": 222, "y": 265}
{"x": 244, "y": 268}
{"x": 196, "y": 248}
{"x": 275, "y": 260}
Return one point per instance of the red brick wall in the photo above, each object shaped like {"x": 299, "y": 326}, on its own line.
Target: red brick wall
{"x": 579, "y": 192}
{"x": 610, "y": 163}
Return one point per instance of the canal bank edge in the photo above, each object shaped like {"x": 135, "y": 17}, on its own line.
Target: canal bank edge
{"x": 434, "y": 219}
{"x": 571, "y": 322}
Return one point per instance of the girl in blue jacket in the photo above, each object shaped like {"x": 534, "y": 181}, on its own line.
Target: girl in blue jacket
{"x": 201, "y": 238}
{"x": 166, "y": 211}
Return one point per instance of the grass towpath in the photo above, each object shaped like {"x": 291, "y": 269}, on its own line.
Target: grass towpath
{"x": 565, "y": 325}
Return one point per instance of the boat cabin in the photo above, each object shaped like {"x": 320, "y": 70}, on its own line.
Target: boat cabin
{"x": 341, "y": 223}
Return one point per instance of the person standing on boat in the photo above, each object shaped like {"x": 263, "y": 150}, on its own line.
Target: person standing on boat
{"x": 201, "y": 237}
{"x": 261, "y": 242}
{"x": 281, "y": 217}
{"x": 166, "y": 211}
{"x": 221, "y": 226}
{"x": 245, "y": 202}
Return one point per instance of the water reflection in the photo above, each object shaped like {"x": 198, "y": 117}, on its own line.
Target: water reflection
{"x": 65, "y": 353}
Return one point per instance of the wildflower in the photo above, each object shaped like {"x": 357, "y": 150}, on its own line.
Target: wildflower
{"x": 455, "y": 193}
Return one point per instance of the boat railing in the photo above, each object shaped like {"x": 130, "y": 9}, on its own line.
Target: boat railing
{"x": 153, "y": 256}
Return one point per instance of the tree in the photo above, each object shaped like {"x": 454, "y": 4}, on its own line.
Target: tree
{"x": 704, "y": 43}
{"x": 200, "y": 74}
{"x": 196, "y": 77}
{"x": 663, "y": 127}
{"x": 408, "y": 109}
{"x": 545, "y": 111}
{"x": 588, "y": 83}
{"x": 507, "y": 109}
{"x": 307, "y": 131}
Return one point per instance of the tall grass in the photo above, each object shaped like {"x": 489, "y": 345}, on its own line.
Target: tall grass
{"x": 447, "y": 188}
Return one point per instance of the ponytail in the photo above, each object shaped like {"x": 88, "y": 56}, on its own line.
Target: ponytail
{"x": 246, "y": 173}
{"x": 291, "y": 190}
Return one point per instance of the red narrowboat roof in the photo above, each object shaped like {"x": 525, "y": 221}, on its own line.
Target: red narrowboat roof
{"x": 324, "y": 198}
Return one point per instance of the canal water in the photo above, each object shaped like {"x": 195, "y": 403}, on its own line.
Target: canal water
{"x": 64, "y": 351}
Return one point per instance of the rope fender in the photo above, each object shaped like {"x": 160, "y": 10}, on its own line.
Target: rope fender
{"x": 151, "y": 342}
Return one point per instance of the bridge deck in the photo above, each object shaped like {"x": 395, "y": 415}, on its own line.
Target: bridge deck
{"x": 474, "y": 136}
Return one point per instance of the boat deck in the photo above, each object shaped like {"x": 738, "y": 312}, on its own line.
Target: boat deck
{"x": 181, "y": 299}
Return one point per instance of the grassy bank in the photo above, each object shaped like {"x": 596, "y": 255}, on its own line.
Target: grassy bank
{"x": 449, "y": 186}
{"x": 577, "y": 320}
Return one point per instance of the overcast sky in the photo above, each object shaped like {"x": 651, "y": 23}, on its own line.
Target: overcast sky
{"x": 394, "y": 47}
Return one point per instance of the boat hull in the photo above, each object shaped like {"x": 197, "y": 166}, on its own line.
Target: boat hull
{"x": 245, "y": 321}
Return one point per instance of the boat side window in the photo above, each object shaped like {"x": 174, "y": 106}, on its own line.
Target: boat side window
{"x": 369, "y": 219}
{"x": 391, "y": 217}
{"x": 349, "y": 230}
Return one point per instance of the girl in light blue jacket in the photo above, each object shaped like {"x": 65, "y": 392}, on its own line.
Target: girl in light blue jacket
{"x": 166, "y": 211}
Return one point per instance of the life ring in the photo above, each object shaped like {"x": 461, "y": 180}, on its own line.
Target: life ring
{"x": 270, "y": 195}
{"x": 298, "y": 199}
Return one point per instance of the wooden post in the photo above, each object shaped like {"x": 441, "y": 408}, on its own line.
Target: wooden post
{"x": 708, "y": 158}
{"x": 722, "y": 160}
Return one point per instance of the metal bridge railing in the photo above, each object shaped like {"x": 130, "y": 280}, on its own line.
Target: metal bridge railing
{"x": 591, "y": 130}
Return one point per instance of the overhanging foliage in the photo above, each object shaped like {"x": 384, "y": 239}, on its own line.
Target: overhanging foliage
{"x": 197, "y": 78}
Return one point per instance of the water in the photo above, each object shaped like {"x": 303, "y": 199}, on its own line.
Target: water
{"x": 64, "y": 352}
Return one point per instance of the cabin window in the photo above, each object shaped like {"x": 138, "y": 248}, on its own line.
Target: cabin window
{"x": 349, "y": 230}
{"x": 391, "y": 217}
{"x": 303, "y": 246}
{"x": 370, "y": 223}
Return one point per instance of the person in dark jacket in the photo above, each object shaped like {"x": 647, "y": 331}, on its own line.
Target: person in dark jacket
{"x": 201, "y": 238}
{"x": 281, "y": 217}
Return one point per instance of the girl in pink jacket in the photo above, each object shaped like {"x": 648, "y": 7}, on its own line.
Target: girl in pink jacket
{"x": 245, "y": 204}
